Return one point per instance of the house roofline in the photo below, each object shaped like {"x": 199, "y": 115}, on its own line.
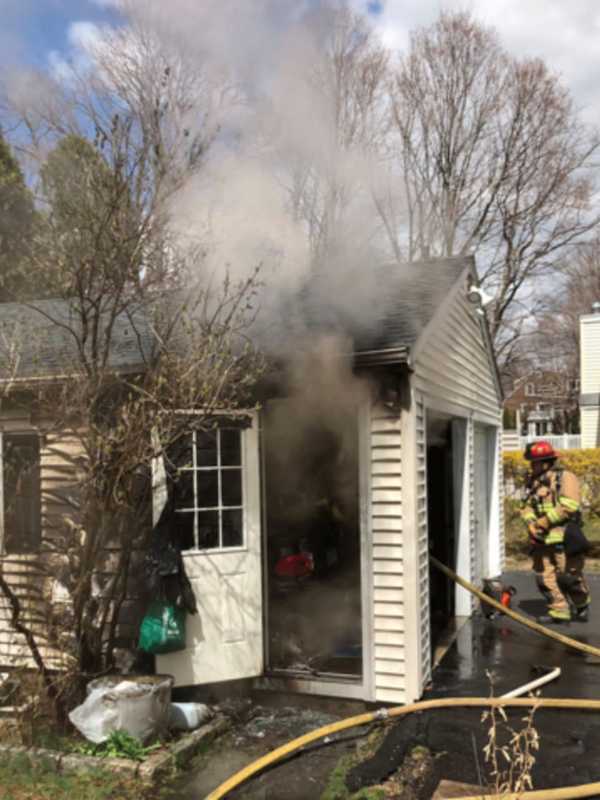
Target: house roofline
{"x": 383, "y": 357}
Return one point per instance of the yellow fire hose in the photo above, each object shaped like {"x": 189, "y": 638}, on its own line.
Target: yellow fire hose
{"x": 587, "y": 790}
{"x": 535, "y": 626}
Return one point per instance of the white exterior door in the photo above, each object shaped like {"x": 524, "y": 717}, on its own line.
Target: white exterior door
{"x": 219, "y": 521}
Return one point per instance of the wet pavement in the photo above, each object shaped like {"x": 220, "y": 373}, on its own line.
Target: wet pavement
{"x": 569, "y": 751}
{"x": 299, "y": 778}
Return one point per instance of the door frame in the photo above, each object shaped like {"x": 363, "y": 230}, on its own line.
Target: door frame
{"x": 462, "y": 461}
{"x": 352, "y": 688}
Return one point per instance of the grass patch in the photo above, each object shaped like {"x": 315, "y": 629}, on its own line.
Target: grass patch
{"x": 336, "y": 788}
{"x": 19, "y": 780}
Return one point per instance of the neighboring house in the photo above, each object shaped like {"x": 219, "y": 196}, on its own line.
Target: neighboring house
{"x": 543, "y": 402}
{"x": 307, "y": 540}
{"x": 589, "y": 401}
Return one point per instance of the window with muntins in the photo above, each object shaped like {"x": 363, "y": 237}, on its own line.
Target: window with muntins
{"x": 209, "y": 498}
{"x": 21, "y": 493}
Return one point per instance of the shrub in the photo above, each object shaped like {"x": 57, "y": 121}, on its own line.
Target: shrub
{"x": 585, "y": 464}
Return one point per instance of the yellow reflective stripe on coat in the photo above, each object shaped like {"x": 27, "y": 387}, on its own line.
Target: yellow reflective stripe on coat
{"x": 554, "y": 516}
{"x": 556, "y": 536}
{"x": 568, "y": 503}
{"x": 529, "y": 516}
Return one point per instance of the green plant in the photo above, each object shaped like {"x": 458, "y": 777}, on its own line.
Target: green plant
{"x": 21, "y": 780}
{"x": 119, "y": 744}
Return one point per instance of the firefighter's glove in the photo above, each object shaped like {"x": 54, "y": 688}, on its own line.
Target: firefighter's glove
{"x": 536, "y": 534}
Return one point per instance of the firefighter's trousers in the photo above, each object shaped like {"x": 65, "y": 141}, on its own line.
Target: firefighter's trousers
{"x": 560, "y": 579}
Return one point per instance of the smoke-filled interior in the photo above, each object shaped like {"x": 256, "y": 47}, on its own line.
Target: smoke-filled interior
{"x": 313, "y": 540}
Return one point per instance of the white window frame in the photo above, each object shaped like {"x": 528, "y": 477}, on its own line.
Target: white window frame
{"x": 529, "y": 389}
{"x": 219, "y": 469}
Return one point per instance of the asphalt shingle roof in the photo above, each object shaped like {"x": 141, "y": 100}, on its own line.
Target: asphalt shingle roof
{"x": 382, "y": 308}
{"x": 41, "y": 339}
{"x": 387, "y": 307}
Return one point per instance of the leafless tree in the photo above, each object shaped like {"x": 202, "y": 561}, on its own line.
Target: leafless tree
{"x": 345, "y": 83}
{"x": 493, "y": 158}
{"x": 116, "y": 140}
{"x": 557, "y": 331}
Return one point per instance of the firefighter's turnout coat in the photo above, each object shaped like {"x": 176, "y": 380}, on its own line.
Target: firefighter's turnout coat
{"x": 553, "y": 499}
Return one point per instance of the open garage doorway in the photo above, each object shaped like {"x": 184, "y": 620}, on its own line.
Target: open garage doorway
{"x": 441, "y": 521}
{"x": 313, "y": 544}
{"x": 448, "y": 525}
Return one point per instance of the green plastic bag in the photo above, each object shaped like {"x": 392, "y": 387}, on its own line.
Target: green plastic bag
{"x": 163, "y": 628}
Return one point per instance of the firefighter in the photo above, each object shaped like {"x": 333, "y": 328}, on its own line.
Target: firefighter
{"x": 551, "y": 511}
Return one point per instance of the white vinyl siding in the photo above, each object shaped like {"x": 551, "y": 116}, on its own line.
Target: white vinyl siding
{"x": 453, "y": 364}
{"x": 590, "y": 426}
{"x": 422, "y": 543}
{"x": 387, "y": 532}
{"x": 29, "y": 575}
{"x": 25, "y": 573}
{"x": 455, "y": 373}
{"x": 590, "y": 354}
{"x": 590, "y": 378}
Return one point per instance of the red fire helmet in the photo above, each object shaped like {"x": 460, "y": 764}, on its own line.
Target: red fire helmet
{"x": 540, "y": 451}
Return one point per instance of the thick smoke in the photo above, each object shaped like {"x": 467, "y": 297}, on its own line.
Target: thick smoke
{"x": 286, "y": 185}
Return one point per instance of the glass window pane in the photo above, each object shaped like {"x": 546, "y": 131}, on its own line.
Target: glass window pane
{"x": 208, "y": 488}
{"x": 231, "y": 487}
{"x": 180, "y": 452}
{"x": 232, "y": 528}
{"x": 183, "y": 490}
{"x": 185, "y": 530}
{"x": 206, "y": 448}
{"x": 22, "y": 493}
{"x": 208, "y": 529}
{"x": 231, "y": 447}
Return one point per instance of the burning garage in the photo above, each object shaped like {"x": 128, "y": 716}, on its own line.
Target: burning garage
{"x": 305, "y": 526}
{"x": 368, "y": 455}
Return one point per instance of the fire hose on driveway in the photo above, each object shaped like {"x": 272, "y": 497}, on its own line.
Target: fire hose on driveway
{"x": 565, "y": 793}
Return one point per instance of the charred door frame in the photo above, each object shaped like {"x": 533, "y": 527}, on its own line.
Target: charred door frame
{"x": 352, "y": 688}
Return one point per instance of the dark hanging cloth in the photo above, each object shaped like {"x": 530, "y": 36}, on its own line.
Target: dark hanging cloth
{"x": 164, "y": 565}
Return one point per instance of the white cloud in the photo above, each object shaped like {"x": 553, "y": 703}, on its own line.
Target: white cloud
{"x": 82, "y": 37}
{"x": 564, "y": 34}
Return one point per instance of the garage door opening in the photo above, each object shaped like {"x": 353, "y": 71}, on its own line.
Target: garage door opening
{"x": 441, "y": 521}
{"x": 313, "y": 552}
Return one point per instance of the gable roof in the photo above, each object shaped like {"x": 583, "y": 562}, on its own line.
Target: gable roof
{"x": 385, "y": 309}
{"x": 409, "y": 298}
{"x": 40, "y": 340}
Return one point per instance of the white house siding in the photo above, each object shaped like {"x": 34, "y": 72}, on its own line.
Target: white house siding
{"x": 590, "y": 353}
{"x": 473, "y": 545}
{"x": 25, "y": 573}
{"x": 497, "y": 549}
{"x": 454, "y": 374}
{"x": 590, "y": 380}
{"x": 590, "y": 426}
{"x": 452, "y": 364}
{"x": 388, "y": 603}
{"x": 422, "y": 544}
{"x": 28, "y": 573}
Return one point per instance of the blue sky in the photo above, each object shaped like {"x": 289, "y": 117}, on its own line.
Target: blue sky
{"x": 565, "y": 34}
{"x": 31, "y": 29}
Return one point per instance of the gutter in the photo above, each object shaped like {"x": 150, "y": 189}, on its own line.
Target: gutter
{"x": 384, "y": 357}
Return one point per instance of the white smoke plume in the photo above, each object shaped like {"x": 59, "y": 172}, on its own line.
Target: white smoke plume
{"x": 289, "y": 179}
